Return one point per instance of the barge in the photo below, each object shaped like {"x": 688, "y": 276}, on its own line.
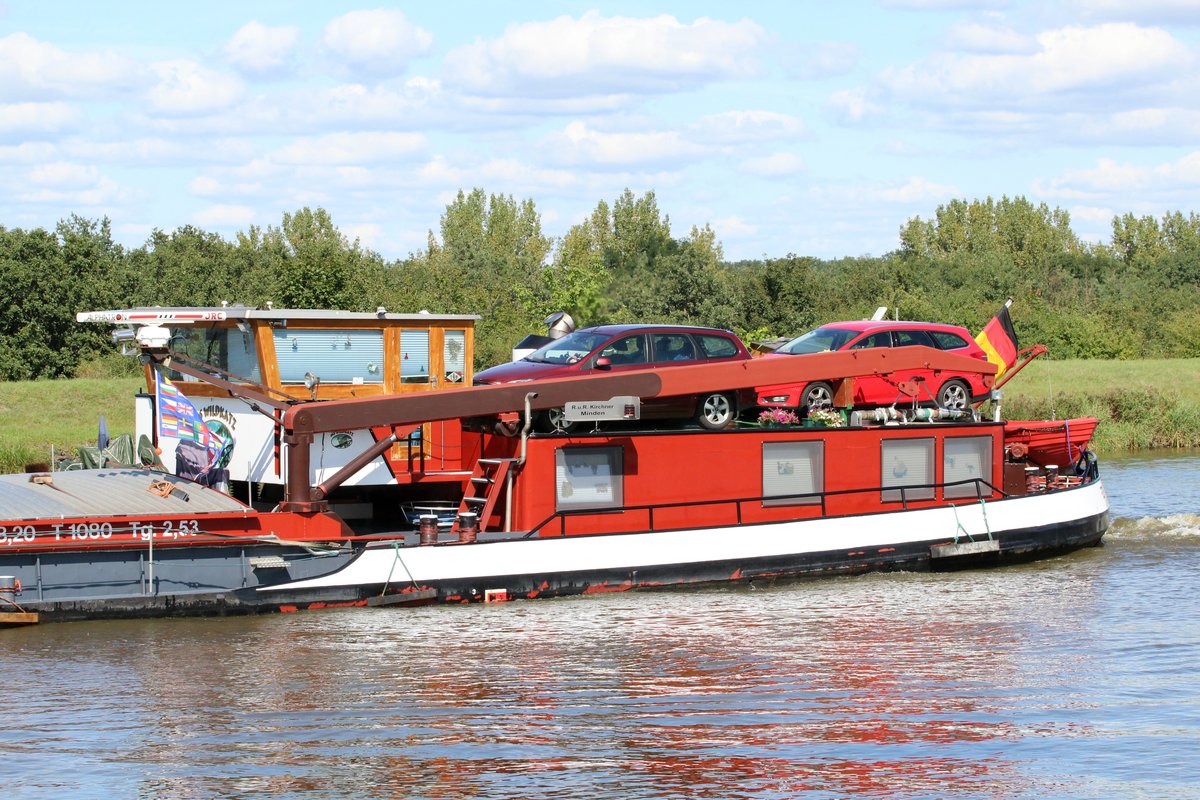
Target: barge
{"x": 611, "y": 508}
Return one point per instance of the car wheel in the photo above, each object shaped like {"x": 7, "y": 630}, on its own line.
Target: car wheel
{"x": 715, "y": 412}
{"x": 954, "y": 395}
{"x": 817, "y": 394}
{"x": 552, "y": 421}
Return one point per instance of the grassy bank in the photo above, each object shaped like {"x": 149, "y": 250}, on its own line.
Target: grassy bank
{"x": 65, "y": 414}
{"x": 1142, "y": 404}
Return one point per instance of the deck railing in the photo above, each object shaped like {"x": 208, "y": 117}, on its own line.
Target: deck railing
{"x": 562, "y": 516}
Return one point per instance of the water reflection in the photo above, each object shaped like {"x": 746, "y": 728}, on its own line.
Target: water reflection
{"x": 1070, "y": 678}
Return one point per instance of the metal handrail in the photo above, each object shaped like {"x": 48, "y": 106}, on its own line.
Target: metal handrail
{"x": 562, "y": 515}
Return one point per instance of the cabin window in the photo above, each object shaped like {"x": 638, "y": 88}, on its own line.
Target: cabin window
{"x": 717, "y": 346}
{"x": 792, "y": 468}
{"x": 907, "y": 462}
{"x": 414, "y": 356}
{"x": 588, "y": 477}
{"x": 966, "y": 458}
{"x": 227, "y": 349}
{"x": 673, "y": 347}
{"x": 454, "y": 356}
{"x": 333, "y": 355}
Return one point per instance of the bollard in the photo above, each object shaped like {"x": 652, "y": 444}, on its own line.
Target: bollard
{"x": 428, "y": 529}
{"x": 1033, "y": 482}
{"x": 468, "y": 527}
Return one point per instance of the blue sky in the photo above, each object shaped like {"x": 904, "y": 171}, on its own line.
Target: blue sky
{"x": 812, "y": 128}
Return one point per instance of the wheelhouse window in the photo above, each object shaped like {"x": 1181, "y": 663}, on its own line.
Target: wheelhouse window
{"x": 414, "y": 356}
{"x": 228, "y": 349}
{"x": 793, "y": 468}
{"x": 334, "y": 355}
{"x": 588, "y": 477}
{"x": 966, "y": 458}
{"x": 907, "y": 462}
{"x": 454, "y": 356}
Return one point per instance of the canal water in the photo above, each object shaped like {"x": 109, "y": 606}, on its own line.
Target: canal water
{"x": 1077, "y": 677}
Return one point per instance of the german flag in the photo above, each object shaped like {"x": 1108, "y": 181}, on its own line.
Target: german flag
{"x": 999, "y": 341}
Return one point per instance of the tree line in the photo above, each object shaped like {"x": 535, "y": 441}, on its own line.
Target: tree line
{"x": 1134, "y": 298}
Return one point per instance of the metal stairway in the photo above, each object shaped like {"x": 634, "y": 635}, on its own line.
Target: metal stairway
{"x": 488, "y": 482}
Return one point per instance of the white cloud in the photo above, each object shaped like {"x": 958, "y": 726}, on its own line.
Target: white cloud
{"x": 369, "y": 234}
{"x": 156, "y": 150}
{"x": 378, "y": 43}
{"x": 37, "y": 117}
{"x": 825, "y": 59}
{"x": 204, "y": 185}
{"x": 28, "y": 152}
{"x": 917, "y": 189}
{"x": 62, "y": 173}
{"x": 607, "y": 55}
{"x": 737, "y": 127}
{"x": 579, "y": 144}
{"x": 1093, "y": 216}
{"x": 976, "y": 37}
{"x": 101, "y": 192}
{"x": 186, "y": 88}
{"x": 1113, "y": 181}
{"x": 351, "y": 148}
{"x": 774, "y": 165}
{"x": 1109, "y": 58}
{"x": 1178, "y": 11}
{"x": 852, "y": 106}
{"x": 734, "y": 226}
{"x": 227, "y": 216}
{"x": 32, "y": 69}
{"x": 258, "y": 48}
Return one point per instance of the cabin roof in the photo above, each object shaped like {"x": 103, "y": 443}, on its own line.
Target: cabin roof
{"x": 165, "y": 314}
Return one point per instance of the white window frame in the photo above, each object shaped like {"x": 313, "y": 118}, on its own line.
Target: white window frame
{"x": 784, "y": 463}
{"x": 954, "y": 447}
{"x": 589, "y": 477}
{"x": 891, "y": 461}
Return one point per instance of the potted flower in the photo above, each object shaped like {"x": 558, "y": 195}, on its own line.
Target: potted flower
{"x": 777, "y": 418}
{"x": 824, "y": 418}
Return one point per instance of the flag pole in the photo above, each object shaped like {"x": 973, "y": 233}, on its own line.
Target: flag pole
{"x": 157, "y": 405}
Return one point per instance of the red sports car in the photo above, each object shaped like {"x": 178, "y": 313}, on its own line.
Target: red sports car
{"x": 954, "y": 390}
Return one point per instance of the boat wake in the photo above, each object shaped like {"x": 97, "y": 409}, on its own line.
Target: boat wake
{"x": 1179, "y": 527}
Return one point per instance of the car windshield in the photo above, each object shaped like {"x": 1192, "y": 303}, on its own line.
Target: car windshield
{"x": 568, "y": 349}
{"x": 818, "y": 341}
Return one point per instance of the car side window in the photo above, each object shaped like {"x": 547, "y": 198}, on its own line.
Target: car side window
{"x": 672, "y": 347}
{"x": 627, "y": 350}
{"x": 904, "y": 338}
{"x": 717, "y": 346}
{"x": 948, "y": 341}
{"x": 881, "y": 339}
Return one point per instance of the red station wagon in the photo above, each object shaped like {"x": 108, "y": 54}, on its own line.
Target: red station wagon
{"x": 954, "y": 390}
{"x": 617, "y": 348}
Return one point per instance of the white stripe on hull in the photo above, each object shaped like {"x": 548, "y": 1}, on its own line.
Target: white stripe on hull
{"x": 734, "y": 543}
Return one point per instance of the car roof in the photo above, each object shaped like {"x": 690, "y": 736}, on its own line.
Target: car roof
{"x": 613, "y": 330}
{"x": 891, "y": 325}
